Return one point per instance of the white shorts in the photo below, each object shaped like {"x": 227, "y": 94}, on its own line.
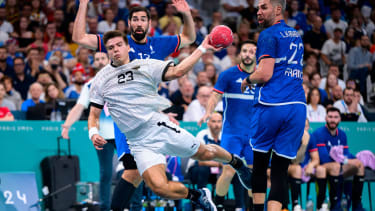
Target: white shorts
{"x": 150, "y": 142}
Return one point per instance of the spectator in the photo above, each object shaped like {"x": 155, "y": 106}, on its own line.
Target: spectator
{"x": 335, "y": 22}
{"x": 23, "y": 34}
{"x": 315, "y": 82}
{"x": 207, "y": 58}
{"x": 36, "y": 90}
{"x": 92, "y": 23}
{"x": 300, "y": 17}
{"x": 182, "y": 98}
{"x": 33, "y": 61}
{"x": 56, "y": 69}
{"x": 200, "y": 171}
{"x": 351, "y": 83}
{"x": 13, "y": 11}
{"x": 72, "y": 46}
{"x": 349, "y": 39}
{"x": 197, "y": 108}
{"x": 331, "y": 82}
{"x": 60, "y": 21}
{"x": 250, "y": 14}
{"x": 5, "y": 26}
{"x": 39, "y": 42}
{"x": 11, "y": 94}
{"x": 315, "y": 38}
{"x": 202, "y": 80}
{"x": 37, "y": 15}
{"x": 5, "y": 68}
{"x": 52, "y": 93}
{"x": 360, "y": 64}
{"x": 315, "y": 111}
{"x": 121, "y": 26}
{"x": 350, "y": 108}
{"x": 333, "y": 52}
{"x": 4, "y": 102}
{"x": 243, "y": 30}
{"x": 107, "y": 24}
{"x": 212, "y": 73}
{"x": 231, "y": 11}
{"x": 306, "y": 88}
{"x": 217, "y": 19}
{"x": 94, "y": 9}
{"x": 85, "y": 59}
{"x": 78, "y": 79}
{"x": 169, "y": 17}
{"x": 50, "y": 34}
{"x": 21, "y": 80}
{"x": 334, "y": 69}
{"x": 230, "y": 59}
{"x": 312, "y": 60}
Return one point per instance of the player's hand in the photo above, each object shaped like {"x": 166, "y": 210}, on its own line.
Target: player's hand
{"x": 207, "y": 46}
{"x": 65, "y": 132}
{"x": 244, "y": 85}
{"x": 98, "y": 141}
{"x": 309, "y": 170}
{"x": 181, "y": 6}
{"x": 172, "y": 118}
{"x": 204, "y": 119}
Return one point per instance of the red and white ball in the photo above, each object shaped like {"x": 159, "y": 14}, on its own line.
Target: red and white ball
{"x": 220, "y": 36}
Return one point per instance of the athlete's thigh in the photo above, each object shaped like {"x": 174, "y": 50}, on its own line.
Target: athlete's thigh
{"x": 290, "y": 133}
{"x": 267, "y": 121}
{"x": 146, "y": 158}
{"x": 231, "y": 143}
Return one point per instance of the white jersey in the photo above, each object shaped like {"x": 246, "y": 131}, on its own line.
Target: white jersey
{"x": 106, "y": 129}
{"x": 130, "y": 91}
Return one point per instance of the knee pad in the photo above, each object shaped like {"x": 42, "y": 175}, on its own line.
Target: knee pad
{"x": 279, "y": 178}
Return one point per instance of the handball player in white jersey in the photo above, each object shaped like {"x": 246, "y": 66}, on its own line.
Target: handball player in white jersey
{"x": 130, "y": 91}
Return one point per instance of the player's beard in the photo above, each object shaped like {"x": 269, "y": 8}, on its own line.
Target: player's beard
{"x": 248, "y": 65}
{"x": 332, "y": 125}
{"x": 138, "y": 36}
{"x": 267, "y": 22}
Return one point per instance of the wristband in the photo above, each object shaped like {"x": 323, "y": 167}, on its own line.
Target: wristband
{"x": 203, "y": 49}
{"x": 248, "y": 80}
{"x": 93, "y": 131}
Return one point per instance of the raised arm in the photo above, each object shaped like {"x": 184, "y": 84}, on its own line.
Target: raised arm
{"x": 79, "y": 29}
{"x": 212, "y": 102}
{"x": 93, "y": 124}
{"x": 188, "y": 63}
{"x": 188, "y": 34}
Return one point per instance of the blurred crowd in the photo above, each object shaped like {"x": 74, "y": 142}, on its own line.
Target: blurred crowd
{"x": 40, "y": 64}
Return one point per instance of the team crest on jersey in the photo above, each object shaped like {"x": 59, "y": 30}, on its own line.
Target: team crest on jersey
{"x": 152, "y": 49}
{"x": 132, "y": 50}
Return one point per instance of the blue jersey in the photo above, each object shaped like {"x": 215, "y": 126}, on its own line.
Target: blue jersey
{"x": 237, "y": 105}
{"x": 324, "y": 141}
{"x": 284, "y": 44}
{"x": 311, "y": 147}
{"x": 154, "y": 48}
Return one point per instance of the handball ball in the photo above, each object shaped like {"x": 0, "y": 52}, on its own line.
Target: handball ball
{"x": 220, "y": 36}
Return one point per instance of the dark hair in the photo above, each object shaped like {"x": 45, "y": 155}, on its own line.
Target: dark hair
{"x": 310, "y": 93}
{"x": 33, "y": 48}
{"x": 313, "y": 74}
{"x": 347, "y": 89}
{"x": 333, "y": 109}
{"x": 3, "y": 47}
{"x": 337, "y": 30}
{"x": 20, "y": 58}
{"x": 112, "y": 34}
{"x": 247, "y": 42}
{"x": 139, "y": 9}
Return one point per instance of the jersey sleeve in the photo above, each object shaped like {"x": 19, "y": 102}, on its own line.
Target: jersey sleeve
{"x": 158, "y": 69}
{"x": 221, "y": 83}
{"x": 96, "y": 95}
{"x": 167, "y": 44}
{"x": 101, "y": 46}
{"x": 267, "y": 46}
{"x": 84, "y": 97}
{"x": 311, "y": 147}
{"x": 345, "y": 145}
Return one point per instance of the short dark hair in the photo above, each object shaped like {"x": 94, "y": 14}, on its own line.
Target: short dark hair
{"x": 333, "y": 109}
{"x": 347, "y": 89}
{"x": 313, "y": 74}
{"x": 19, "y": 58}
{"x": 112, "y": 34}
{"x": 3, "y": 47}
{"x": 337, "y": 30}
{"x": 247, "y": 42}
{"x": 139, "y": 9}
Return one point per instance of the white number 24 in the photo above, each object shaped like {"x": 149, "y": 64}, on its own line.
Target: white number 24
{"x": 8, "y": 195}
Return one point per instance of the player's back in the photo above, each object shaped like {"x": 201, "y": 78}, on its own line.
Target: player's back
{"x": 284, "y": 44}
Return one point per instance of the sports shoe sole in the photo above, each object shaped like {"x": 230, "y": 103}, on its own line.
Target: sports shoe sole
{"x": 209, "y": 196}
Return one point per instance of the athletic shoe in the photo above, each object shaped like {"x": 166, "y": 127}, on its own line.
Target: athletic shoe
{"x": 244, "y": 175}
{"x": 324, "y": 207}
{"x": 205, "y": 200}
{"x": 297, "y": 208}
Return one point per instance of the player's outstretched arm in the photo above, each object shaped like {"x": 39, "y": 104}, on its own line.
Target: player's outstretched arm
{"x": 188, "y": 34}
{"x": 72, "y": 117}
{"x": 188, "y": 63}
{"x": 79, "y": 29}
{"x": 93, "y": 124}
{"x": 212, "y": 102}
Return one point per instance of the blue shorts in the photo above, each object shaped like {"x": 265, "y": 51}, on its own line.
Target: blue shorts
{"x": 121, "y": 144}
{"x": 279, "y": 128}
{"x": 239, "y": 145}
